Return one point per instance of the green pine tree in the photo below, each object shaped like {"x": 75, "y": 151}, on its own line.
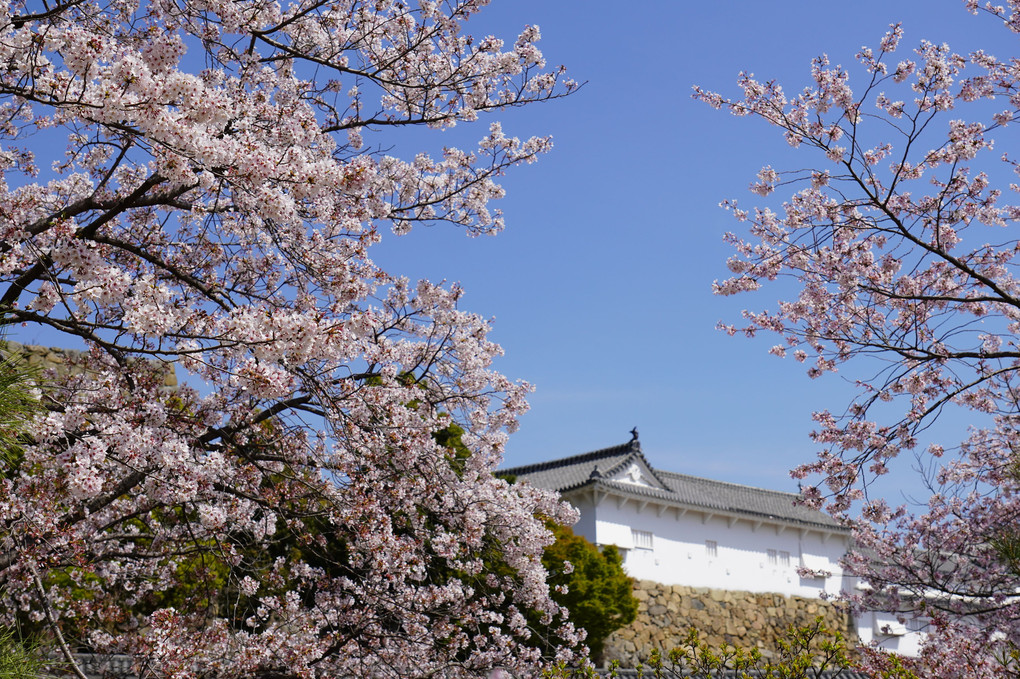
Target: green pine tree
{"x": 19, "y": 403}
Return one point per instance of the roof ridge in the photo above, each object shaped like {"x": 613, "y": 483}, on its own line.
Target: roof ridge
{"x": 565, "y": 461}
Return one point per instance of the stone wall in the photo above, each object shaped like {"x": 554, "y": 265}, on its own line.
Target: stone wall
{"x": 46, "y": 358}
{"x": 742, "y": 619}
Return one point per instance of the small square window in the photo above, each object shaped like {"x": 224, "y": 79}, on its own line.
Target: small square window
{"x": 784, "y": 559}
{"x": 642, "y": 538}
{"x": 773, "y": 559}
{"x": 711, "y": 549}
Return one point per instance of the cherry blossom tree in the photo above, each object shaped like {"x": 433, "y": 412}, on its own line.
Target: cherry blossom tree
{"x": 896, "y": 257}
{"x": 198, "y": 184}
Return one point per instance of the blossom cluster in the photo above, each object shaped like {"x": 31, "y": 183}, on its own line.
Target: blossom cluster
{"x": 322, "y": 502}
{"x": 898, "y": 246}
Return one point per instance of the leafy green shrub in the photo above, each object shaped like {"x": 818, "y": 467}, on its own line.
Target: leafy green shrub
{"x": 597, "y": 592}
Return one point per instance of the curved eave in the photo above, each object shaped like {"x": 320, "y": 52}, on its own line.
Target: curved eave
{"x": 653, "y": 496}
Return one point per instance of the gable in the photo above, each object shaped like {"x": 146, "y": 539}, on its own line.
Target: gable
{"x": 634, "y": 470}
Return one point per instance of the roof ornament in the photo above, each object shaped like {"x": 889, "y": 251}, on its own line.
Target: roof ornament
{"x": 633, "y": 474}
{"x": 595, "y": 473}
{"x": 634, "y": 443}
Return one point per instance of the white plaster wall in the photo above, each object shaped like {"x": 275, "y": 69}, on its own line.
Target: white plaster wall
{"x": 885, "y": 631}
{"x": 679, "y": 555}
{"x": 585, "y": 525}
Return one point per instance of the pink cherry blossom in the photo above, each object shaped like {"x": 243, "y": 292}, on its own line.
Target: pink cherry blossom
{"x": 213, "y": 187}
{"x": 905, "y": 276}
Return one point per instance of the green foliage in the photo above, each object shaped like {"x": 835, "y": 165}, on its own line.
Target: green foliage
{"x": 598, "y": 594}
{"x": 803, "y": 653}
{"x": 450, "y": 437}
{"x": 895, "y": 668}
{"x": 18, "y": 405}
{"x": 18, "y": 660}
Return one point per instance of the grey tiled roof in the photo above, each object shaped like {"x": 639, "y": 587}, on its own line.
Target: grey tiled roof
{"x": 569, "y": 472}
{"x": 573, "y": 473}
{"x": 745, "y": 499}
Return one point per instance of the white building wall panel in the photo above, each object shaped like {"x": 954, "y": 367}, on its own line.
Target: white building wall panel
{"x": 682, "y": 553}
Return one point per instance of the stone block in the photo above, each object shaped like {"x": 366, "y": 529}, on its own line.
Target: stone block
{"x": 743, "y": 619}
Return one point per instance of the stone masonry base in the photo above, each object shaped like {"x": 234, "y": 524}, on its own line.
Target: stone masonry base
{"x": 722, "y": 617}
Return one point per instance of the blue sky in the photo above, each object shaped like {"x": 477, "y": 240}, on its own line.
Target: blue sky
{"x": 601, "y": 284}
{"x": 600, "y": 287}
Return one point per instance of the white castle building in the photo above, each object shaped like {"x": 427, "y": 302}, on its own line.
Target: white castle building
{"x": 677, "y": 529}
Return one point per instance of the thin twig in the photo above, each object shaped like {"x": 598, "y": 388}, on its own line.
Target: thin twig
{"x": 68, "y": 656}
